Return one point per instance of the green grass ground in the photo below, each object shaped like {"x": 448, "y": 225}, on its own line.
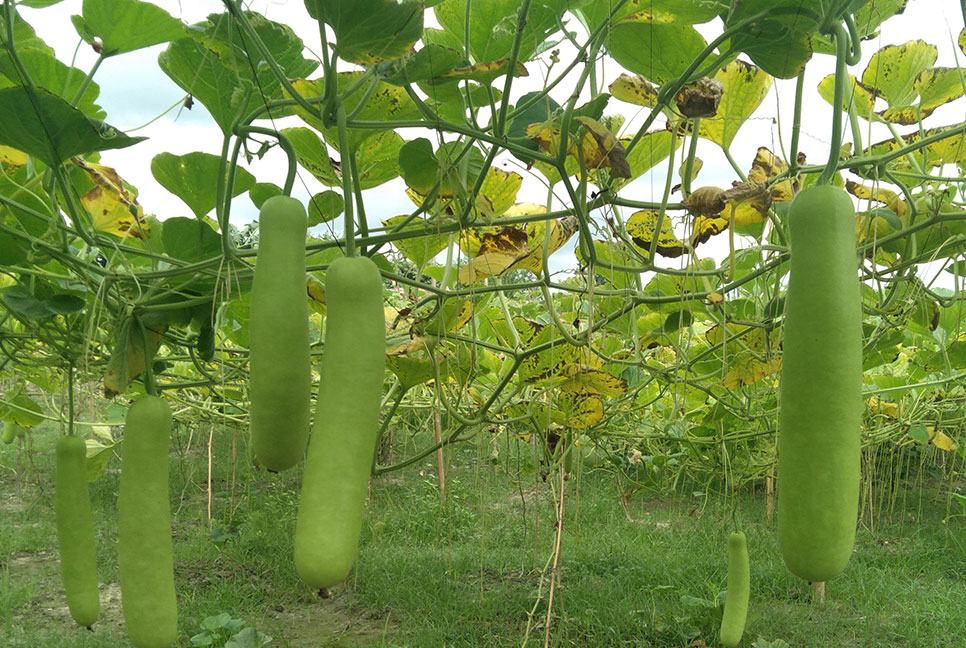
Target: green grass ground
{"x": 641, "y": 572}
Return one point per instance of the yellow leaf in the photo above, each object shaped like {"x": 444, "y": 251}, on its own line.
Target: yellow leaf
{"x": 487, "y": 264}
{"x": 878, "y": 406}
{"x": 634, "y": 89}
{"x": 486, "y": 72}
{"x": 11, "y": 157}
{"x": 586, "y": 380}
{"x": 113, "y": 208}
{"x": 746, "y": 369}
{"x": 942, "y": 441}
{"x": 601, "y": 150}
{"x": 577, "y": 411}
{"x": 641, "y": 227}
{"x": 744, "y": 88}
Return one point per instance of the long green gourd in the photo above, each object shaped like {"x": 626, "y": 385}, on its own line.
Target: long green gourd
{"x": 739, "y": 590}
{"x": 821, "y": 388}
{"x": 75, "y": 530}
{"x": 280, "y": 380}
{"x": 343, "y": 441}
{"x": 144, "y": 536}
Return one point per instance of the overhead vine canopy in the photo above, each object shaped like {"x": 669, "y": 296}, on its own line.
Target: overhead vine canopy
{"x": 646, "y": 335}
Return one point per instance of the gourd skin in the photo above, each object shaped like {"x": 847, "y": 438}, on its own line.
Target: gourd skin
{"x": 10, "y": 431}
{"x": 821, "y": 388}
{"x": 145, "y": 550}
{"x": 280, "y": 380}
{"x": 75, "y": 530}
{"x": 346, "y": 424}
{"x": 739, "y": 586}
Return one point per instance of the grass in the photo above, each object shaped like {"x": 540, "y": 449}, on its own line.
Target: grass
{"x": 471, "y": 571}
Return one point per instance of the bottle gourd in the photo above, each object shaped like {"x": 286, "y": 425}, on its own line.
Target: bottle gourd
{"x": 821, "y": 388}
{"x": 75, "y": 530}
{"x": 280, "y": 379}
{"x": 739, "y": 589}
{"x": 145, "y": 551}
{"x": 341, "y": 449}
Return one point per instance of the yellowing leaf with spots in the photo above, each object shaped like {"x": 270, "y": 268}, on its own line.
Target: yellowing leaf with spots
{"x": 587, "y": 380}
{"x": 862, "y": 97}
{"x": 601, "y": 150}
{"x": 411, "y": 371}
{"x": 889, "y": 198}
{"x": 560, "y": 231}
{"x": 641, "y": 227}
{"x": 486, "y": 72}
{"x": 497, "y": 252}
{"x": 500, "y": 189}
{"x": 12, "y": 158}
{"x": 747, "y": 369}
{"x": 744, "y": 88}
{"x": 634, "y": 89}
{"x": 766, "y": 166}
{"x": 704, "y": 227}
{"x": 512, "y": 247}
{"x": 112, "y": 206}
{"x": 316, "y": 292}
{"x": 577, "y": 411}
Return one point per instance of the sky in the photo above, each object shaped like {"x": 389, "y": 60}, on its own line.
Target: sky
{"x": 134, "y": 91}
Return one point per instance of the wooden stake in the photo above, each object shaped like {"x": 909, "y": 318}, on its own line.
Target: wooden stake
{"x": 440, "y": 471}
{"x": 770, "y": 495}
{"x": 819, "y": 591}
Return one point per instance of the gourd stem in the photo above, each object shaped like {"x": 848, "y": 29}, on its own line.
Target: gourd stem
{"x": 345, "y": 154}
{"x": 841, "y": 55}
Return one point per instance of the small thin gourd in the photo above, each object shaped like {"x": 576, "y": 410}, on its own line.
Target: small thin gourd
{"x": 75, "y": 531}
{"x": 821, "y": 388}
{"x": 346, "y": 425}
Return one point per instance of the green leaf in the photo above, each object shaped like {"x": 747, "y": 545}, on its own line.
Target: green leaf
{"x": 13, "y": 251}
{"x": 418, "y": 165}
{"x": 249, "y": 638}
{"x": 192, "y": 178}
{"x": 493, "y": 26}
{"x": 652, "y": 149}
{"x": 45, "y": 126}
{"x": 60, "y": 79}
{"x": 190, "y": 239}
{"x": 98, "y": 455}
{"x": 325, "y": 206}
{"x": 370, "y": 31}
{"x": 919, "y": 433}
{"x": 222, "y": 35}
{"x": 200, "y": 72}
{"x": 377, "y": 159}
{"x": 262, "y": 191}
{"x": 780, "y": 42}
{"x": 745, "y": 87}
{"x": 312, "y": 154}
{"x": 20, "y": 300}
{"x": 126, "y": 25}
{"x": 25, "y": 411}
{"x": 420, "y": 250}
{"x": 386, "y": 103}
{"x": 428, "y": 63}
{"x": 24, "y": 36}
{"x": 658, "y": 52}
